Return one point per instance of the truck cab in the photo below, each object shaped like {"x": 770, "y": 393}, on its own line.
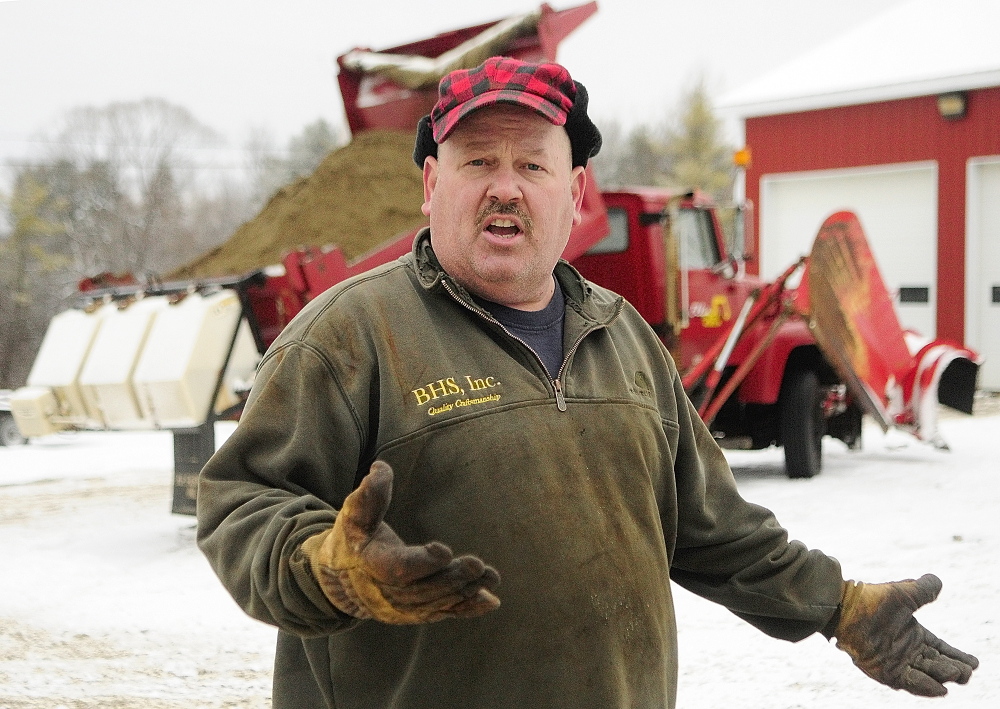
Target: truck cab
{"x": 687, "y": 291}
{"x": 668, "y": 255}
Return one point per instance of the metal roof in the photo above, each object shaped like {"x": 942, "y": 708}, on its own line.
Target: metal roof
{"x": 916, "y": 48}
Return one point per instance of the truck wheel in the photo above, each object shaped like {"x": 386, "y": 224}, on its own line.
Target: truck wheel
{"x": 10, "y": 435}
{"x": 802, "y": 424}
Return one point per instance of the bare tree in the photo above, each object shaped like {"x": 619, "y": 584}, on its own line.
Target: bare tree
{"x": 265, "y": 165}
{"x": 214, "y": 216}
{"x": 270, "y": 167}
{"x": 633, "y": 158}
{"x": 111, "y": 194}
{"x": 145, "y": 148}
{"x": 120, "y": 191}
{"x": 307, "y": 149}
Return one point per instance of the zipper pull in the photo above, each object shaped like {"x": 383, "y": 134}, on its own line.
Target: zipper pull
{"x": 560, "y": 399}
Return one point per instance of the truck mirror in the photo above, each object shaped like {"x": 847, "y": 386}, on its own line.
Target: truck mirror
{"x": 727, "y": 268}
{"x": 737, "y": 221}
{"x": 731, "y": 221}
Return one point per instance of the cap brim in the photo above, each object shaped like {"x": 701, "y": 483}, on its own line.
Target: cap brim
{"x": 444, "y": 126}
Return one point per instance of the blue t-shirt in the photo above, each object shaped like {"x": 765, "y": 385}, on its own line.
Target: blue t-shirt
{"x": 541, "y": 330}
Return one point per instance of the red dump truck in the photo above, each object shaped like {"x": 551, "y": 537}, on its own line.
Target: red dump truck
{"x": 778, "y": 363}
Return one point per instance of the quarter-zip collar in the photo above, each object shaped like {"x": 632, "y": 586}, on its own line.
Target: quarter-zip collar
{"x": 595, "y": 307}
{"x": 587, "y": 309}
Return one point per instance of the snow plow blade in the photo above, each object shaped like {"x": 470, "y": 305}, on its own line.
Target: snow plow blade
{"x": 897, "y": 376}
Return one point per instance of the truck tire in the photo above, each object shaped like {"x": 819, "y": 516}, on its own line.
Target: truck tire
{"x": 10, "y": 435}
{"x": 802, "y": 423}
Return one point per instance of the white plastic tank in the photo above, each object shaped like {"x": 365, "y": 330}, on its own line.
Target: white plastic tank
{"x": 58, "y": 364}
{"x": 178, "y": 371}
{"x": 35, "y": 411}
{"x": 240, "y": 371}
{"x": 106, "y": 379}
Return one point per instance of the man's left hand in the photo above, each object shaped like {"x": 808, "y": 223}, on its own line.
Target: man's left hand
{"x": 878, "y": 630}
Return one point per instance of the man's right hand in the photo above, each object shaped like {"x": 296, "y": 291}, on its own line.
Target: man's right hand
{"x": 367, "y": 571}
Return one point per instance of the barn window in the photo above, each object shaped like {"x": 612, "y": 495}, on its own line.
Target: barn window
{"x": 914, "y": 294}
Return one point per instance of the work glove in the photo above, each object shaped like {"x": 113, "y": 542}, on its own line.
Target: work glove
{"x": 878, "y": 630}
{"x": 367, "y": 571}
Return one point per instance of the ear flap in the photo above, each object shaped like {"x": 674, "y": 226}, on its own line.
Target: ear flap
{"x": 425, "y": 144}
{"x": 584, "y": 137}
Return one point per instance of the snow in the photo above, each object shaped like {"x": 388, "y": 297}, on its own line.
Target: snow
{"x": 106, "y": 602}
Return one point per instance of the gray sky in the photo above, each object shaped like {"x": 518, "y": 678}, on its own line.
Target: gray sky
{"x": 238, "y": 65}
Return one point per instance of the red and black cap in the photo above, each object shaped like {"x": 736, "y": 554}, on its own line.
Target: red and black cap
{"x": 546, "y": 89}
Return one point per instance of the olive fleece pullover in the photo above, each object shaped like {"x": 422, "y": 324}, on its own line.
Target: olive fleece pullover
{"x": 588, "y": 492}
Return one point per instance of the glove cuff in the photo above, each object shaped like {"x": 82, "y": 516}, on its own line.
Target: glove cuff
{"x": 311, "y": 547}
{"x": 301, "y": 569}
{"x": 335, "y": 584}
{"x": 830, "y": 629}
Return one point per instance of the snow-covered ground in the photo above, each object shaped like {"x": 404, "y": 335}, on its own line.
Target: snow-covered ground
{"x": 106, "y": 602}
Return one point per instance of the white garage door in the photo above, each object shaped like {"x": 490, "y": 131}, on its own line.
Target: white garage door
{"x": 897, "y": 206}
{"x": 982, "y": 296}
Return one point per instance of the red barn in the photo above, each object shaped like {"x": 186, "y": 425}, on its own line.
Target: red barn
{"x": 898, "y": 121}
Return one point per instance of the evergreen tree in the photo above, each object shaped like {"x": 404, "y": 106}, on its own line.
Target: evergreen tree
{"x": 29, "y": 266}
{"x": 307, "y": 149}
{"x": 695, "y": 153}
{"x": 686, "y": 153}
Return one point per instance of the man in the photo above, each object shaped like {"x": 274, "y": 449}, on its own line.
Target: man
{"x": 471, "y": 412}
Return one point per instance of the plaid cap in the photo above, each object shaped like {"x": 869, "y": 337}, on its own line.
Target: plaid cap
{"x": 545, "y": 88}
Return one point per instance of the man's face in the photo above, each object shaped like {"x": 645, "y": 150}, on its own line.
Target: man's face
{"x": 502, "y": 197}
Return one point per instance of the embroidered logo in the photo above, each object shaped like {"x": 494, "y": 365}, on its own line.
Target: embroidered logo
{"x": 641, "y": 385}
{"x": 449, "y": 393}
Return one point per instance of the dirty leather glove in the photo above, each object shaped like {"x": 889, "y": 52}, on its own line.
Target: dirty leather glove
{"x": 367, "y": 571}
{"x": 878, "y": 630}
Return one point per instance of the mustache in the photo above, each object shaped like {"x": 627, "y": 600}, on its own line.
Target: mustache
{"x": 512, "y": 209}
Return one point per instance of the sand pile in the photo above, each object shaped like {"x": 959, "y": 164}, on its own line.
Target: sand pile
{"x": 360, "y": 196}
